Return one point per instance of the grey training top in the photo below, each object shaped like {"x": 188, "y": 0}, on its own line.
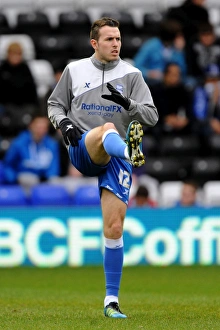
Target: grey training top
{"x": 78, "y": 95}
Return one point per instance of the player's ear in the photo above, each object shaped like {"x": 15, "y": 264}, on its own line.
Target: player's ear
{"x": 93, "y": 43}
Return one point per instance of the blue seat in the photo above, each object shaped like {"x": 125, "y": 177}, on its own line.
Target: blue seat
{"x": 86, "y": 195}
{"x": 2, "y": 178}
{"x": 12, "y": 195}
{"x": 49, "y": 194}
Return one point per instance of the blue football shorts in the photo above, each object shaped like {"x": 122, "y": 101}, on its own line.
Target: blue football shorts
{"x": 116, "y": 176}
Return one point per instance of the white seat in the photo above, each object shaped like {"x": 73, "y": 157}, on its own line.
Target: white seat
{"x": 214, "y": 16}
{"x": 16, "y": 3}
{"x": 150, "y": 183}
{"x": 211, "y": 193}
{"x": 169, "y": 193}
{"x": 43, "y": 74}
{"x": 25, "y": 41}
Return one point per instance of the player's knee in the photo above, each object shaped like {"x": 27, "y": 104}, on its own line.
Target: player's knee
{"x": 108, "y": 126}
{"x": 115, "y": 230}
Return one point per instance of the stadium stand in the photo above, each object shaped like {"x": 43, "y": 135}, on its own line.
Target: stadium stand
{"x": 166, "y": 168}
{"x": 12, "y": 195}
{"x": 49, "y": 194}
{"x": 86, "y": 195}
{"x": 34, "y": 22}
{"x": 46, "y": 29}
{"x": 214, "y": 144}
{"x": 26, "y": 42}
{"x": 169, "y": 193}
{"x": 43, "y": 73}
{"x": 51, "y": 47}
{"x": 5, "y": 142}
{"x": 4, "y": 25}
{"x": 205, "y": 169}
{"x": 1, "y": 172}
{"x": 211, "y": 192}
{"x": 180, "y": 146}
{"x": 74, "y": 22}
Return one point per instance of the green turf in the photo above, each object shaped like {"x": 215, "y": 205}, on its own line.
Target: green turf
{"x": 157, "y": 298}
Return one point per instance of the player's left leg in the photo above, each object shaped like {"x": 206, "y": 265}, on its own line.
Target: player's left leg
{"x": 113, "y": 210}
{"x": 104, "y": 141}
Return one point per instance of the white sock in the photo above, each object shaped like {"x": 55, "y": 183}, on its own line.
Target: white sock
{"x": 126, "y": 153}
{"x": 114, "y": 243}
{"x": 109, "y": 299}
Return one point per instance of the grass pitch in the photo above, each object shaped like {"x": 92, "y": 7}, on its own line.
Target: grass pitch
{"x": 157, "y": 298}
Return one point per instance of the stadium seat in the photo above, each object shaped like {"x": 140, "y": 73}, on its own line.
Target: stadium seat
{"x": 25, "y": 41}
{"x": 4, "y": 25}
{"x": 166, "y": 168}
{"x": 52, "y": 47}
{"x": 150, "y": 145}
{"x": 211, "y": 193}
{"x": 151, "y": 24}
{"x": 205, "y": 169}
{"x": 5, "y": 142}
{"x": 131, "y": 44}
{"x": 43, "y": 74}
{"x": 15, "y": 3}
{"x": 1, "y": 172}
{"x": 33, "y": 23}
{"x": 81, "y": 46}
{"x": 12, "y": 195}
{"x": 74, "y": 22}
{"x": 149, "y": 182}
{"x": 214, "y": 143}
{"x": 54, "y": 3}
{"x": 169, "y": 193}
{"x": 87, "y": 195}
{"x": 214, "y": 15}
{"x": 127, "y": 25}
{"x": 49, "y": 195}
{"x": 179, "y": 146}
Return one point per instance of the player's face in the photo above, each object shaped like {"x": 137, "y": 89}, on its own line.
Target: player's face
{"x": 108, "y": 46}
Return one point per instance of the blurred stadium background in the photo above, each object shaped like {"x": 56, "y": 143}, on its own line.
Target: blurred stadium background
{"x": 51, "y": 30}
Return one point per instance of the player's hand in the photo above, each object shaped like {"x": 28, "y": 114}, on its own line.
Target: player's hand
{"x": 117, "y": 97}
{"x": 71, "y": 134}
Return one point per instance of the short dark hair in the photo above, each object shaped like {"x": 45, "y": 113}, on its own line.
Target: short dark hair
{"x": 169, "y": 30}
{"x": 205, "y": 28}
{"x": 142, "y": 191}
{"x": 191, "y": 183}
{"x": 94, "y": 33}
{"x": 169, "y": 64}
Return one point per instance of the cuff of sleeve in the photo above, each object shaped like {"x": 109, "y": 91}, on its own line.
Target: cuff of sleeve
{"x": 132, "y": 105}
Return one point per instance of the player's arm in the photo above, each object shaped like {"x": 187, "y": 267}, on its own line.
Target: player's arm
{"x": 59, "y": 102}
{"x": 142, "y": 107}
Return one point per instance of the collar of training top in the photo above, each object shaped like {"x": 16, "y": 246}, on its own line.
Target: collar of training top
{"x": 108, "y": 66}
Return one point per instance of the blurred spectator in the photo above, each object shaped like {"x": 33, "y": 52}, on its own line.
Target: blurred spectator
{"x": 203, "y": 51}
{"x": 143, "y": 179}
{"x": 188, "y": 195}
{"x": 142, "y": 198}
{"x": 206, "y": 105}
{"x": 18, "y": 97}
{"x": 191, "y": 14}
{"x": 156, "y": 52}
{"x": 33, "y": 156}
{"x": 173, "y": 102}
